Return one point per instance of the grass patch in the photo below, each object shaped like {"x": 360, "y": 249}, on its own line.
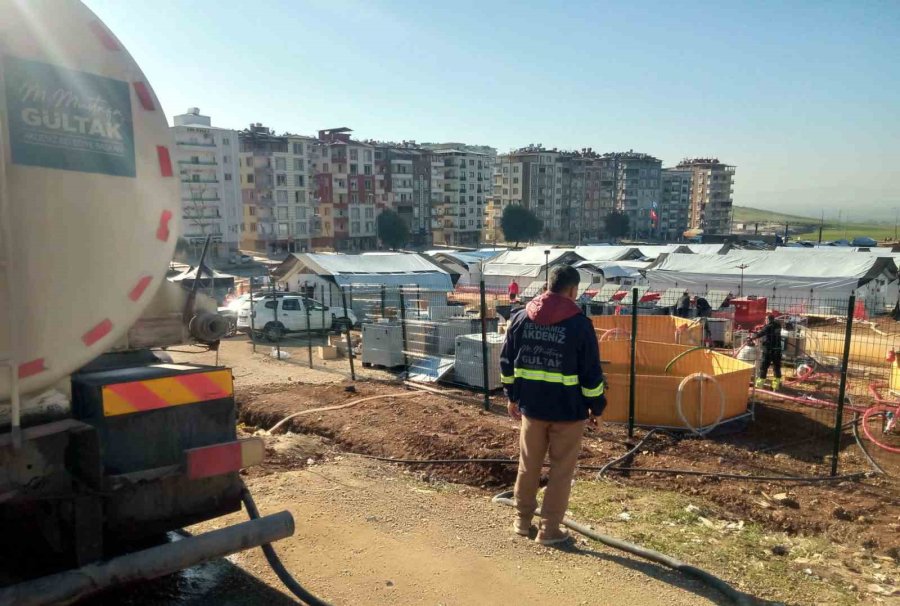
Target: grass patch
{"x": 705, "y": 536}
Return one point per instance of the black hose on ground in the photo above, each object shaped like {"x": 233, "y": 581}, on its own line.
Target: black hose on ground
{"x": 875, "y": 466}
{"x": 707, "y": 578}
{"x": 687, "y": 472}
{"x": 277, "y": 566}
{"x": 626, "y": 455}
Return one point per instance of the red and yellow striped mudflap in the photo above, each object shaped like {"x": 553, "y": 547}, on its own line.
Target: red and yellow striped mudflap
{"x": 152, "y": 394}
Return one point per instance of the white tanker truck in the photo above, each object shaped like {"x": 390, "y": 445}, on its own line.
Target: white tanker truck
{"x": 101, "y": 442}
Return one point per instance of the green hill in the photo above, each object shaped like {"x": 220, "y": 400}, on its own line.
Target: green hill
{"x": 745, "y": 214}
{"x": 808, "y": 227}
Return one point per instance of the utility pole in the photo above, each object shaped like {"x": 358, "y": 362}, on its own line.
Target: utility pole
{"x": 821, "y": 226}
{"x": 742, "y": 267}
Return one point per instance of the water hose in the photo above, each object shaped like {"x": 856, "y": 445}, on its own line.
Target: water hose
{"x": 687, "y": 472}
{"x": 865, "y": 425}
{"x": 280, "y": 423}
{"x": 618, "y": 460}
{"x": 702, "y": 377}
{"x": 681, "y": 355}
{"x": 275, "y": 563}
{"x": 647, "y": 554}
{"x": 878, "y": 468}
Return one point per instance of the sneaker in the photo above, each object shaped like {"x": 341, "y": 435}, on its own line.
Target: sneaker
{"x": 552, "y": 538}
{"x": 522, "y": 527}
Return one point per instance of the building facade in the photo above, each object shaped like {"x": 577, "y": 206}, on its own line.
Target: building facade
{"x": 459, "y": 189}
{"x": 207, "y": 161}
{"x": 675, "y": 204}
{"x": 532, "y": 177}
{"x": 637, "y": 189}
{"x": 712, "y": 189}
{"x": 278, "y": 209}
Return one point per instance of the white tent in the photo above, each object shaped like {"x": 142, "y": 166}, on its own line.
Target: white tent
{"x": 608, "y": 253}
{"x": 525, "y": 265}
{"x": 815, "y": 281}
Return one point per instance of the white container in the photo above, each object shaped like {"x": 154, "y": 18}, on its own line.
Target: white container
{"x": 382, "y": 344}
{"x": 469, "y": 367}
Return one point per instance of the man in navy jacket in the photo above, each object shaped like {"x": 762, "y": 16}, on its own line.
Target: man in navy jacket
{"x": 550, "y": 369}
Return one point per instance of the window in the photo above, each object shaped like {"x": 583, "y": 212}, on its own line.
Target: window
{"x": 299, "y": 197}
{"x": 369, "y": 226}
{"x": 353, "y": 184}
{"x": 252, "y": 210}
{"x": 298, "y": 181}
{"x": 226, "y": 159}
{"x": 471, "y": 162}
{"x": 301, "y": 229}
{"x": 298, "y": 163}
{"x": 279, "y": 163}
{"x": 226, "y": 141}
{"x": 354, "y": 226}
{"x": 271, "y": 304}
{"x": 282, "y": 212}
{"x": 367, "y": 169}
{"x": 354, "y": 169}
{"x": 301, "y": 213}
{"x": 298, "y": 149}
{"x": 290, "y": 304}
{"x": 249, "y": 178}
{"x": 367, "y": 155}
{"x": 354, "y": 198}
{"x": 282, "y": 229}
{"x": 281, "y": 180}
{"x": 368, "y": 184}
{"x": 325, "y": 167}
{"x": 354, "y": 154}
{"x": 354, "y": 213}
{"x": 228, "y": 176}
{"x": 281, "y": 196}
{"x": 370, "y": 213}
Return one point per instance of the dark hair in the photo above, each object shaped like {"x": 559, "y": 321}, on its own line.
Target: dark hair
{"x": 563, "y": 278}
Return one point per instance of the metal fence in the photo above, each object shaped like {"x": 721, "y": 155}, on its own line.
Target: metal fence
{"x": 839, "y": 370}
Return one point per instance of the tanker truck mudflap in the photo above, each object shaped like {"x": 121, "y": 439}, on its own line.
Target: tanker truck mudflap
{"x": 170, "y": 453}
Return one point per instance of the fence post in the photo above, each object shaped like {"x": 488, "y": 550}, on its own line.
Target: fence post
{"x": 484, "y": 348}
{"x": 382, "y": 298}
{"x": 349, "y": 338}
{"x": 275, "y": 315}
{"x": 402, "y": 326}
{"x": 252, "y": 317}
{"x": 634, "y": 323}
{"x": 842, "y": 390}
{"x": 306, "y": 301}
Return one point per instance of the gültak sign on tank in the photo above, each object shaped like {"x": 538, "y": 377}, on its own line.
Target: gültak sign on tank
{"x": 60, "y": 118}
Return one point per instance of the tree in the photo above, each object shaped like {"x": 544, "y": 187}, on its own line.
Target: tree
{"x": 392, "y": 229}
{"x": 617, "y": 224}
{"x": 520, "y": 224}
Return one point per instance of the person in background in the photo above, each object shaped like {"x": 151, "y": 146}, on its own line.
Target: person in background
{"x": 770, "y": 342}
{"x": 704, "y": 309}
{"x": 513, "y": 290}
{"x": 550, "y": 369}
{"x": 683, "y": 306}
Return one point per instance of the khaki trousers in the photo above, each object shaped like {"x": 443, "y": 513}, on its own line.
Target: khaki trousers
{"x": 563, "y": 440}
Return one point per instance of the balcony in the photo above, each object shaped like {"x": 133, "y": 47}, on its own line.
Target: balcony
{"x": 216, "y": 199}
{"x": 199, "y": 180}
{"x": 196, "y": 163}
{"x": 195, "y": 144}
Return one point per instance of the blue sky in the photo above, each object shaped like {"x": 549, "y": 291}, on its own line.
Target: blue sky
{"x": 803, "y": 97}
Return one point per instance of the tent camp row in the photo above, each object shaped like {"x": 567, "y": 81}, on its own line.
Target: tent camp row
{"x": 819, "y": 280}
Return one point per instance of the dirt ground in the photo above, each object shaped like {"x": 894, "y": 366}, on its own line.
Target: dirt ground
{"x": 782, "y": 541}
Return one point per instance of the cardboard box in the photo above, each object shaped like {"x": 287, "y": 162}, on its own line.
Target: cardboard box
{"x": 327, "y": 352}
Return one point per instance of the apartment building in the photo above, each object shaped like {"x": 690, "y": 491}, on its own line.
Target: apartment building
{"x": 588, "y": 195}
{"x": 637, "y": 189}
{"x": 460, "y": 185}
{"x": 352, "y": 186}
{"x": 207, "y": 161}
{"x": 278, "y": 209}
{"x": 675, "y": 203}
{"x": 533, "y": 177}
{"x": 712, "y": 189}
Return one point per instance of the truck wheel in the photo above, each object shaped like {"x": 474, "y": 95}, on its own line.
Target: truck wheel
{"x": 340, "y": 324}
{"x": 273, "y": 331}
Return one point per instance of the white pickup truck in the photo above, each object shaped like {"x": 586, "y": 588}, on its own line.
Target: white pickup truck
{"x": 275, "y": 316}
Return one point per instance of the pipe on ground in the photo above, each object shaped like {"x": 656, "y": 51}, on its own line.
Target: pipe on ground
{"x": 706, "y": 578}
{"x": 66, "y": 587}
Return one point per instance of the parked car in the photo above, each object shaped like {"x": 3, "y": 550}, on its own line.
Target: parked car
{"x": 240, "y": 259}
{"x": 275, "y": 317}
